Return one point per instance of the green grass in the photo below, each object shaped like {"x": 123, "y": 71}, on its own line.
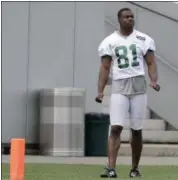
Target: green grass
{"x": 89, "y": 172}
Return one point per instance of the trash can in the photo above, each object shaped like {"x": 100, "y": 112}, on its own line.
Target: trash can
{"x": 62, "y": 113}
{"x": 96, "y": 134}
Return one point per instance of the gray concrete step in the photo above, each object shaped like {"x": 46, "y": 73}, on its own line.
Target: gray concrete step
{"x": 154, "y": 136}
{"x": 151, "y": 150}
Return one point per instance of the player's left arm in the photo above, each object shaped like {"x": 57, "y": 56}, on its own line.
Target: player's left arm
{"x": 151, "y": 61}
{"x": 152, "y": 66}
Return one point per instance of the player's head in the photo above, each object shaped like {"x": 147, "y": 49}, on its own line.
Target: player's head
{"x": 125, "y": 18}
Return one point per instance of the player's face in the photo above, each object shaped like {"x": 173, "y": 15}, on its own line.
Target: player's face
{"x": 127, "y": 19}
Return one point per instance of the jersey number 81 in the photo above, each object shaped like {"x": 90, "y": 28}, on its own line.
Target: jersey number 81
{"x": 122, "y": 55}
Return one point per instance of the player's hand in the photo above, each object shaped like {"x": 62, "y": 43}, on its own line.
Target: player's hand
{"x": 99, "y": 97}
{"x": 155, "y": 86}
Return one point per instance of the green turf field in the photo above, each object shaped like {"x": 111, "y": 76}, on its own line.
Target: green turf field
{"x": 89, "y": 172}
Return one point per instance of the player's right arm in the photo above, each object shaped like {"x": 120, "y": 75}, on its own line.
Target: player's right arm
{"x": 105, "y": 54}
{"x": 104, "y": 72}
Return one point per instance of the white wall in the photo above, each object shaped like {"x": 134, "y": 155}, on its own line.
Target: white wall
{"x": 165, "y": 8}
{"x": 51, "y": 53}
{"x": 54, "y": 44}
{"x": 46, "y": 45}
{"x": 14, "y": 68}
{"x": 89, "y": 33}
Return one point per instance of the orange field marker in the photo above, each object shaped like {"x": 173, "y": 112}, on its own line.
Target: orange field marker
{"x": 17, "y": 157}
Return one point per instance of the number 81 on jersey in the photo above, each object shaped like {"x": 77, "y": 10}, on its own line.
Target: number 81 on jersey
{"x": 122, "y": 53}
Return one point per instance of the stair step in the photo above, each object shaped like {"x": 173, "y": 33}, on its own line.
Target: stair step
{"x": 151, "y": 150}
{"x": 153, "y": 136}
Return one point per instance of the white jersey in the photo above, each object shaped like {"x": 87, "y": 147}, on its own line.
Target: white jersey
{"x": 127, "y": 53}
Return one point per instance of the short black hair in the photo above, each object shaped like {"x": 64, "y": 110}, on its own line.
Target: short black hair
{"x": 119, "y": 14}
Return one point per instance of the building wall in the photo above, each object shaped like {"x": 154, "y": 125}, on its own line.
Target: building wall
{"x": 14, "y": 68}
{"x": 50, "y": 54}
{"x": 54, "y": 44}
{"x": 46, "y": 45}
{"x": 170, "y": 10}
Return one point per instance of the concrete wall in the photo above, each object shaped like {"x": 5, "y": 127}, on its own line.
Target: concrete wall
{"x": 46, "y": 45}
{"x": 165, "y": 102}
{"x": 54, "y": 44}
{"x": 170, "y": 10}
{"x": 14, "y": 68}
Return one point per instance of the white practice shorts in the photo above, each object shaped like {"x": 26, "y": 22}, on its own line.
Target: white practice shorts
{"x": 128, "y": 109}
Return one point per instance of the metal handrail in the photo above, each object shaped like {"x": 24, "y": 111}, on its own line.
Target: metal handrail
{"x": 155, "y": 12}
{"x": 167, "y": 63}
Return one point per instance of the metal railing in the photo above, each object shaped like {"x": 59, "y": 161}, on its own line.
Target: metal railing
{"x": 153, "y": 11}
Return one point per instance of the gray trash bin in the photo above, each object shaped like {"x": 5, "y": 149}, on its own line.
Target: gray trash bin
{"x": 62, "y": 113}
